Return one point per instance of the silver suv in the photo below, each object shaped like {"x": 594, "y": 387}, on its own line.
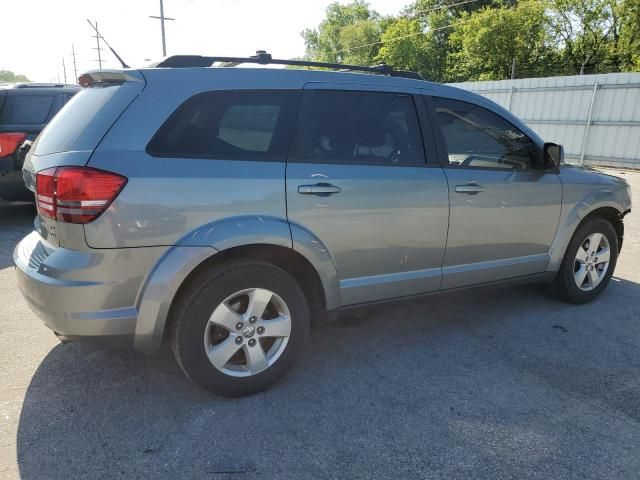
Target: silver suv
{"x": 222, "y": 209}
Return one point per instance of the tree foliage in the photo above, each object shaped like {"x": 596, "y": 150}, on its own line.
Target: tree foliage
{"x": 448, "y": 40}
{"x": 8, "y": 76}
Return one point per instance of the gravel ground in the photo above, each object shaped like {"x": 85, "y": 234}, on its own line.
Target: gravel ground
{"x": 490, "y": 383}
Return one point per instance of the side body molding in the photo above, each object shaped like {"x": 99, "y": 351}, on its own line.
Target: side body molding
{"x": 205, "y": 242}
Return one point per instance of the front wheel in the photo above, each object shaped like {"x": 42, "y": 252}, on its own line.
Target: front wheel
{"x": 239, "y": 327}
{"x": 588, "y": 263}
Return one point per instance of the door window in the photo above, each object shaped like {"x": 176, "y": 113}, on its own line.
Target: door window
{"x": 358, "y": 128}
{"x": 245, "y": 125}
{"x": 478, "y": 138}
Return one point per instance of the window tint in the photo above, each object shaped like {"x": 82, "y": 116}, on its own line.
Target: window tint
{"x": 26, "y": 109}
{"x": 358, "y": 127}
{"x": 229, "y": 125}
{"x": 476, "y": 137}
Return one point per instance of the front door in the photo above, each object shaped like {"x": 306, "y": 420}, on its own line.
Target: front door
{"x": 504, "y": 211}
{"x": 358, "y": 182}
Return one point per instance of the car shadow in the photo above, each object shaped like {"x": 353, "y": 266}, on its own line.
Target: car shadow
{"x": 396, "y": 386}
{"x": 16, "y": 220}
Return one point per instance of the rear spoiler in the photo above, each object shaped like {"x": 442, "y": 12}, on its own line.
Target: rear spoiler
{"x": 109, "y": 77}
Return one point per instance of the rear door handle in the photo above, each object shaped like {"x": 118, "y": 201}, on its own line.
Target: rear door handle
{"x": 319, "y": 189}
{"x": 470, "y": 188}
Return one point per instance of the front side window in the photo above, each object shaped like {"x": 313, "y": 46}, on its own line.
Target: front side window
{"x": 478, "y": 138}
{"x": 249, "y": 125}
{"x": 358, "y": 128}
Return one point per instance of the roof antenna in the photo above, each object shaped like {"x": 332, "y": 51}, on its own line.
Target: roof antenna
{"x": 124, "y": 65}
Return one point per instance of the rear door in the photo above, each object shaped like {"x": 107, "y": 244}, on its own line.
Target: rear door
{"x": 504, "y": 211}
{"x": 360, "y": 180}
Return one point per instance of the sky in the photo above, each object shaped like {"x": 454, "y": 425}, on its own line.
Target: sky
{"x": 37, "y": 34}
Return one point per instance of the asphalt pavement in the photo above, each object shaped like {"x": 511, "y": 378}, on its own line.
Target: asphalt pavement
{"x": 488, "y": 383}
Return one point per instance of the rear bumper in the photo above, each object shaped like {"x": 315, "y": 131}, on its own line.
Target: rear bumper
{"x": 82, "y": 295}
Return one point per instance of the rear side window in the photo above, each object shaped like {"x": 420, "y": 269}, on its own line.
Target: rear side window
{"x": 26, "y": 109}
{"x": 244, "y": 125}
{"x": 478, "y": 138}
{"x": 358, "y": 128}
{"x": 85, "y": 119}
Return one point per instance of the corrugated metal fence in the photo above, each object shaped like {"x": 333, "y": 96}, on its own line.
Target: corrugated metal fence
{"x": 595, "y": 117}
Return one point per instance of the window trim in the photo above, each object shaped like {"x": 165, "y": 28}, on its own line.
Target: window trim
{"x": 296, "y": 93}
{"x": 420, "y": 118}
{"x": 441, "y": 145}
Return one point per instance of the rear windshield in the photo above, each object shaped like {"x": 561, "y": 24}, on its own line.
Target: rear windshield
{"x": 85, "y": 119}
{"x": 26, "y": 109}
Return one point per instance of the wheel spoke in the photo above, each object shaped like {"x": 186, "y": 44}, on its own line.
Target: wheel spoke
{"x": 258, "y": 301}
{"x": 278, "y": 327}
{"x": 256, "y": 358}
{"x": 581, "y": 256}
{"x": 594, "y": 243}
{"x": 580, "y": 275}
{"x": 594, "y": 278}
{"x": 225, "y": 317}
{"x": 603, "y": 256}
{"x": 220, "y": 354}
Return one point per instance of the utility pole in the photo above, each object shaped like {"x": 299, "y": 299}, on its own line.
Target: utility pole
{"x": 64, "y": 70}
{"x": 513, "y": 68}
{"x": 75, "y": 70}
{"x": 162, "y": 19}
{"x": 98, "y": 48}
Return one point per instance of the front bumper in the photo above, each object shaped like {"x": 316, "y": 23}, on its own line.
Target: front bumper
{"x": 82, "y": 295}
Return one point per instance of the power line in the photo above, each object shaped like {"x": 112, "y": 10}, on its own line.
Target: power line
{"x": 442, "y": 6}
{"x": 162, "y": 19}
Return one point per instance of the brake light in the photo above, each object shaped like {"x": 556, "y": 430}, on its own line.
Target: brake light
{"x": 76, "y": 194}
{"x": 9, "y": 142}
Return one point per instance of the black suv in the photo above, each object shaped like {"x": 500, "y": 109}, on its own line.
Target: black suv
{"x": 25, "y": 109}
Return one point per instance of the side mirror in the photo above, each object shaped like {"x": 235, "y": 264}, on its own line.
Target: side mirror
{"x": 553, "y": 155}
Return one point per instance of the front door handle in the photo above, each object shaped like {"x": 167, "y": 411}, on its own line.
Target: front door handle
{"x": 470, "y": 188}
{"x": 322, "y": 189}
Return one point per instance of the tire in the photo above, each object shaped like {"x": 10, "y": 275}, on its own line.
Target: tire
{"x": 565, "y": 284}
{"x": 229, "y": 290}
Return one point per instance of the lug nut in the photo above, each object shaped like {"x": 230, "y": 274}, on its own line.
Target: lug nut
{"x": 260, "y": 330}
{"x": 238, "y": 340}
{"x": 252, "y": 342}
{"x": 252, "y": 320}
{"x": 239, "y": 325}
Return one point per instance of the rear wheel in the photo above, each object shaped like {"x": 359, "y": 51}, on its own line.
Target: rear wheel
{"x": 589, "y": 262}
{"x": 239, "y": 327}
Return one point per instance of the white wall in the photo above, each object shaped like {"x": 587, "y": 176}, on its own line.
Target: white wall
{"x": 557, "y": 108}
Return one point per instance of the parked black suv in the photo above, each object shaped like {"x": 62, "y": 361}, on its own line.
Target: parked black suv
{"x": 25, "y": 109}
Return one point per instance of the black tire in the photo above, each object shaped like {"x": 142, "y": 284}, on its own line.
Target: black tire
{"x": 209, "y": 289}
{"x": 564, "y": 285}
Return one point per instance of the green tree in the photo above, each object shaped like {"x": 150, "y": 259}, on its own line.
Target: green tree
{"x": 408, "y": 45}
{"x": 349, "y": 34}
{"x": 585, "y": 31}
{"x": 8, "y": 76}
{"x": 626, "y": 46}
{"x": 485, "y": 42}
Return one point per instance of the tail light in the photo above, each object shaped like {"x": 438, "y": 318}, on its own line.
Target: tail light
{"x": 76, "y": 194}
{"x": 9, "y": 142}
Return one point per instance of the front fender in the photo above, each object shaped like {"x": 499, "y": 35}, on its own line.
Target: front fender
{"x": 576, "y": 206}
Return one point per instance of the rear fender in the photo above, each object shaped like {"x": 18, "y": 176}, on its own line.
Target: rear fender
{"x": 202, "y": 244}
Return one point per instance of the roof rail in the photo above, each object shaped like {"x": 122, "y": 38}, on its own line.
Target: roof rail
{"x": 43, "y": 85}
{"x": 263, "y": 58}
